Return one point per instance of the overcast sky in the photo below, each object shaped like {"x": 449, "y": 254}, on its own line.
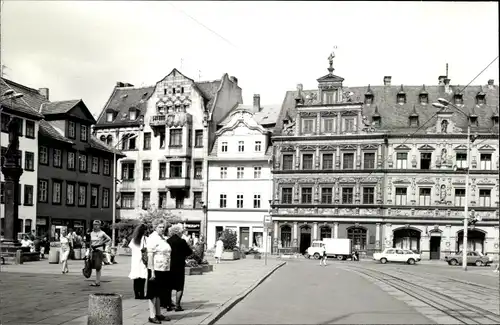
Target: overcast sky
{"x": 80, "y": 49}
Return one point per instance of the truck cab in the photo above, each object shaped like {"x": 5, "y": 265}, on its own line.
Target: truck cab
{"x": 315, "y": 250}
{"x": 339, "y": 248}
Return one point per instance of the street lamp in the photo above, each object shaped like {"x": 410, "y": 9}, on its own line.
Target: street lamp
{"x": 115, "y": 164}
{"x": 443, "y": 104}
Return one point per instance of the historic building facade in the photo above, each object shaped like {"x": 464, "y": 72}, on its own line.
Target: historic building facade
{"x": 382, "y": 166}
{"x": 165, "y": 131}
{"x": 239, "y": 175}
{"x": 25, "y": 109}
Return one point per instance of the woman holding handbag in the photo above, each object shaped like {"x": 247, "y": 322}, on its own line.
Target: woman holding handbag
{"x": 138, "y": 263}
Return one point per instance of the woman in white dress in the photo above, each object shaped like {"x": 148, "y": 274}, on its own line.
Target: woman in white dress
{"x": 138, "y": 270}
{"x": 65, "y": 249}
{"x": 219, "y": 248}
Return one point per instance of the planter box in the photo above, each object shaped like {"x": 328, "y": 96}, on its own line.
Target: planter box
{"x": 257, "y": 256}
{"x": 230, "y": 255}
{"x": 198, "y": 270}
{"x": 243, "y": 256}
{"x": 207, "y": 268}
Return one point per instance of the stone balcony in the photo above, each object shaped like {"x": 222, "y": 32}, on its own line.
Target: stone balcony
{"x": 158, "y": 120}
{"x": 180, "y": 182}
{"x": 127, "y": 184}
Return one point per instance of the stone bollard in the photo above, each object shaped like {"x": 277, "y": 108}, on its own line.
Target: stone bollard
{"x": 19, "y": 256}
{"x": 105, "y": 309}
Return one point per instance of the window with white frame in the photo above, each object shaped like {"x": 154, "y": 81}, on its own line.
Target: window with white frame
{"x": 82, "y": 195}
{"x": 307, "y": 126}
{"x": 240, "y": 172}
{"x": 94, "y": 196}
{"x": 43, "y": 190}
{"x": 95, "y": 165}
{"x": 223, "y": 201}
{"x": 43, "y": 155}
{"x": 105, "y": 167}
{"x": 485, "y": 161}
{"x": 401, "y": 195}
{"x": 71, "y": 130}
{"x": 70, "y": 194}
{"x": 105, "y": 197}
{"x": 257, "y": 172}
{"x": 127, "y": 200}
{"x": 241, "y": 146}
{"x": 424, "y": 196}
{"x": 461, "y": 158}
{"x": 56, "y": 192}
{"x": 327, "y": 161}
{"x": 484, "y": 197}
{"x": 239, "y": 201}
{"x": 71, "y": 160}
{"x": 256, "y": 201}
{"x": 223, "y": 147}
{"x": 223, "y": 172}
{"x": 258, "y": 146}
{"x": 307, "y": 161}
{"x": 459, "y": 197}
{"x": 402, "y": 160}
{"x": 83, "y": 132}
{"x": 57, "y": 158}
{"x": 349, "y": 125}
{"x": 348, "y": 160}
{"x": 328, "y": 125}
{"x": 83, "y": 162}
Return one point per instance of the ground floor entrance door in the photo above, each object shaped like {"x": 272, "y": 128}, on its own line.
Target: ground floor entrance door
{"x": 305, "y": 239}
{"x": 244, "y": 237}
{"x": 435, "y": 247}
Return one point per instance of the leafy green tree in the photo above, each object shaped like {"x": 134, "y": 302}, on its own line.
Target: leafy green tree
{"x": 230, "y": 239}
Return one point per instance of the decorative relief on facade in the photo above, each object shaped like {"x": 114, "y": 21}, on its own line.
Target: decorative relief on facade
{"x": 328, "y": 114}
{"x": 347, "y": 147}
{"x": 402, "y": 181}
{"x": 442, "y": 193}
{"x": 414, "y": 161}
{"x": 427, "y": 147}
{"x": 307, "y": 148}
{"x": 305, "y": 211}
{"x": 327, "y": 148}
{"x": 379, "y": 161}
{"x": 369, "y": 147}
{"x": 370, "y": 180}
{"x": 474, "y": 162}
{"x": 389, "y": 190}
{"x": 289, "y": 129}
{"x": 486, "y": 181}
{"x": 287, "y": 148}
{"x": 425, "y": 181}
{"x": 347, "y": 180}
{"x": 308, "y": 114}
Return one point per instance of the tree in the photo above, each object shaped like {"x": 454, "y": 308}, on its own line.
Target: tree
{"x": 230, "y": 239}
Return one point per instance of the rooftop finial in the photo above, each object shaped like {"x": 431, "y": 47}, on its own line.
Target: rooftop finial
{"x": 330, "y": 61}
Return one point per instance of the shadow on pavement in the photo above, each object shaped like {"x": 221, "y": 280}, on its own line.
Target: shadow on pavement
{"x": 338, "y": 319}
{"x": 177, "y": 316}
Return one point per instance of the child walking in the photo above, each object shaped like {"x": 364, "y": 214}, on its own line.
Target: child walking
{"x": 322, "y": 261}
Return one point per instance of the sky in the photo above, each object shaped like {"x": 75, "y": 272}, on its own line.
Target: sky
{"x": 80, "y": 49}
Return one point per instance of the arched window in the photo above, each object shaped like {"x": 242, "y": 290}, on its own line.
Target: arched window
{"x": 286, "y": 236}
{"x": 326, "y": 232}
{"x": 358, "y": 237}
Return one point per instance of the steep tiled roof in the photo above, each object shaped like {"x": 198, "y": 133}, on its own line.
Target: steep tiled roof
{"x": 96, "y": 144}
{"x": 121, "y": 100}
{"x": 395, "y": 117}
{"x": 48, "y": 131}
{"x": 208, "y": 90}
{"x": 60, "y": 107}
{"x": 29, "y": 104}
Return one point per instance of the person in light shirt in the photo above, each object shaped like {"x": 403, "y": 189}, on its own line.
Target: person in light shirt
{"x": 98, "y": 241}
{"x": 159, "y": 254}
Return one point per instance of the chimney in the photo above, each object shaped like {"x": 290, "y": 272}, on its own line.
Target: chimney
{"x": 256, "y": 103}
{"x": 387, "y": 80}
{"x": 44, "y": 92}
{"x": 447, "y": 88}
{"x": 441, "y": 80}
{"x": 491, "y": 82}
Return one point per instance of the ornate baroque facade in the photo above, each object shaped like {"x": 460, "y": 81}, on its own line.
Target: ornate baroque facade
{"x": 382, "y": 166}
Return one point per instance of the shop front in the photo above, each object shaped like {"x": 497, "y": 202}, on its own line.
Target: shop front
{"x": 57, "y": 225}
{"x": 193, "y": 228}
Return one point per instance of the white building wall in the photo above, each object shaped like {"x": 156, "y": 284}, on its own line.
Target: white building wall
{"x": 27, "y": 213}
{"x": 247, "y": 217}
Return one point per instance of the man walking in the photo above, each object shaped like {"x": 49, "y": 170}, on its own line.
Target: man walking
{"x": 180, "y": 251}
{"x": 98, "y": 240}
{"x": 323, "y": 255}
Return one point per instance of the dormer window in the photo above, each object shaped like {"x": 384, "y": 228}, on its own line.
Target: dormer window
{"x": 414, "y": 121}
{"x": 424, "y": 99}
{"x": 459, "y": 99}
{"x": 401, "y": 97}
{"x": 377, "y": 121}
{"x": 480, "y": 98}
{"x": 329, "y": 97}
{"x": 494, "y": 118}
{"x": 473, "y": 119}
{"x": 368, "y": 99}
{"x": 132, "y": 114}
{"x": 110, "y": 117}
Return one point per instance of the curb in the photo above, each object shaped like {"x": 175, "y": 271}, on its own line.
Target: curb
{"x": 215, "y": 316}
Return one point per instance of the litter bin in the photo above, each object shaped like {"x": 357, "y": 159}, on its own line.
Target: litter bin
{"x": 54, "y": 255}
{"x": 105, "y": 309}
{"x": 78, "y": 254}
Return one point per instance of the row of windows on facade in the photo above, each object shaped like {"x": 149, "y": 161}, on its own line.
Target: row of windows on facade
{"x": 28, "y": 194}
{"x": 175, "y": 140}
{"x": 28, "y": 127}
{"x": 424, "y": 98}
{"x": 368, "y": 196}
{"x": 369, "y": 162}
{"x": 240, "y": 201}
{"x": 58, "y": 157}
{"x": 240, "y": 172}
{"x": 241, "y": 146}
{"x": 127, "y": 200}
{"x": 175, "y": 170}
{"x": 73, "y": 191}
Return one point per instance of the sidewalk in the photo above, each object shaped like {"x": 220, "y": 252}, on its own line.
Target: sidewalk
{"x": 37, "y": 293}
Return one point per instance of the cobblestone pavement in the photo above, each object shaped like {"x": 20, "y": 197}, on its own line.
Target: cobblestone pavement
{"x": 305, "y": 293}
{"x": 37, "y": 293}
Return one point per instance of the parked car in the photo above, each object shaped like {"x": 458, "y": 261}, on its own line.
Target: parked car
{"x": 397, "y": 255}
{"x": 476, "y": 258}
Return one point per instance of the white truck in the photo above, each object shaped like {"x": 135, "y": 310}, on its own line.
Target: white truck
{"x": 339, "y": 248}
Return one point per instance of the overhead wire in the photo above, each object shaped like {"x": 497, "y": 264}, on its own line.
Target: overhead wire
{"x": 410, "y": 136}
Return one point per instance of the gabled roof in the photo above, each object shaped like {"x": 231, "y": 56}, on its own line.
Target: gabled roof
{"x": 29, "y": 104}
{"x": 208, "y": 90}
{"x": 60, "y": 107}
{"x": 120, "y": 102}
{"x": 48, "y": 131}
{"x": 330, "y": 78}
{"x": 394, "y": 116}
{"x": 99, "y": 145}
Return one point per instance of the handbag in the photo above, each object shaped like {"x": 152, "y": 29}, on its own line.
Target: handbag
{"x": 87, "y": 267}
{"x": 144, "y": 252}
